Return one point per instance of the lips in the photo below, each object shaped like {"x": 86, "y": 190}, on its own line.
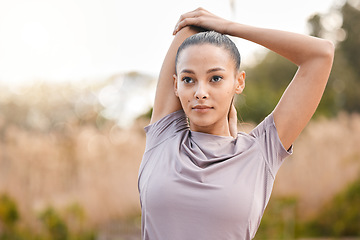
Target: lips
{"x": 202, "y": 108}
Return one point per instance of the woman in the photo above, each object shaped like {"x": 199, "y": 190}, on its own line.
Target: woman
{"x": 199, "y": 178}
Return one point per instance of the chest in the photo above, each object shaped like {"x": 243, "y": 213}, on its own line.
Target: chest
{"x": 225, "y": 191}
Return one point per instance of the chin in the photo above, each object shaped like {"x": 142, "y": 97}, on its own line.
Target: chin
{"x": 202, "y": 122}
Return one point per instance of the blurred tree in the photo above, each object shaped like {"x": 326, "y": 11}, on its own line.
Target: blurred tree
{"x": 347, "y": 66}
{"x": 314, "y": 24}
{"x": 350, "y": 46}
{"x": 265, "y": 84}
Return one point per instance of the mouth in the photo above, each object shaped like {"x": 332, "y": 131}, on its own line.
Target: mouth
{"x": 202, "y": 108}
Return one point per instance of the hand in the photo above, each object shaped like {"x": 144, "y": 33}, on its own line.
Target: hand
{"x": 233, "y": 121}
{"x": 203, "y": 19}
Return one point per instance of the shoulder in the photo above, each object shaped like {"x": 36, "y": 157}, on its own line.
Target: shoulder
{"x": 264, "y": 126}
{"x": 166, "y": 127}
{"x": 267, "y": 137}
{"x": 172, "y": 119}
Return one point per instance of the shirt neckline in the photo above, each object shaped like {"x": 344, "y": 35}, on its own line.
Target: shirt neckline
{"x": 202, "y": 135}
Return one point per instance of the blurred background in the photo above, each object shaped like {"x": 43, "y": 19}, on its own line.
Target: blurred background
{"x": 77, "y": 82}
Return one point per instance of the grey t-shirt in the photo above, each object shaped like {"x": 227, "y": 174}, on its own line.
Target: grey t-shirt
{"x": 200, "y": 186}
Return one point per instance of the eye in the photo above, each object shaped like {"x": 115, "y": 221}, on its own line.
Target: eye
{"x": 216, "y": 79}
{"x": 187, "y": 80}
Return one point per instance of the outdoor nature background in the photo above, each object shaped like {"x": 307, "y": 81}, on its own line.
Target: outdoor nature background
{"x": 69, "y": 153}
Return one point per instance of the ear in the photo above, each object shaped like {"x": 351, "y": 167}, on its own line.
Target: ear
{"x": 175, "y": 85}
{"x": 240, "y": 82}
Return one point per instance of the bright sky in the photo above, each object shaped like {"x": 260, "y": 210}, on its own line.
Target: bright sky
{"x": 67, "y": 40}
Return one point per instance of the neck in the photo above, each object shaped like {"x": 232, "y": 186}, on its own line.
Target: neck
{"x": 214, "y": 129}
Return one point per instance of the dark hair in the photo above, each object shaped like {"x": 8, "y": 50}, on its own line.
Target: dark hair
{"x": 213, "y": 38}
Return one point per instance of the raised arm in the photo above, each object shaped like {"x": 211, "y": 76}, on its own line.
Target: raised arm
{"x": 313, "y": 56}
{"x": 165, "y": 100}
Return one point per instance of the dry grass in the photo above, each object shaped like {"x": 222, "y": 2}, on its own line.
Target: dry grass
{"x": 326, "y": 159}
{"x": 98, "y": 168}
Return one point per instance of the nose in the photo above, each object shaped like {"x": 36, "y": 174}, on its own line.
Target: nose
{"x": 201, "y": 92}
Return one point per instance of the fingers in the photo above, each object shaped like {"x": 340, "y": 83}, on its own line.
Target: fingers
{"x": 233, "y": 121}
{"x": 193, "y": 14}
{"x": 203, "y": 19}
{"x": 190, "y": 18}
{"x": 184, "y": 23}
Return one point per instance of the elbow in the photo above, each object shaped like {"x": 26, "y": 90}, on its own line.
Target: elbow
{"x": 328, "y": 50}
{"x": 321, "y": 50}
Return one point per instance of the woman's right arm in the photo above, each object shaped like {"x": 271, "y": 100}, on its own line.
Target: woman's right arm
{"x": 165, "y": 100}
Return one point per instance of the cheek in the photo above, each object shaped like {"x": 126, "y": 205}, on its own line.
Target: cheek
{"x": 184, "y": 96}
{"x": 225, "y": 94}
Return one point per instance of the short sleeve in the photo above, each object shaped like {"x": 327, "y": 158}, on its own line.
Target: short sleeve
{"x": 267, "y": 136}
{"x": 165, "y": 128}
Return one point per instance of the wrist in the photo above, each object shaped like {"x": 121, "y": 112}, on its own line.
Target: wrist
{"x": 232, "y": 28}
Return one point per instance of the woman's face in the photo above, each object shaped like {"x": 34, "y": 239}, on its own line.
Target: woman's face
{"x": 205, "y": 83}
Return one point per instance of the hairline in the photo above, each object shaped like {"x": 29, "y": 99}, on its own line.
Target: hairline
{"x": 178, "y": 55}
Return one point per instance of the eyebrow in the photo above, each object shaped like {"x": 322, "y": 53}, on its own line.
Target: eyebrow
{"x": 187, "y": 71}
{"x": 215, "y": 69}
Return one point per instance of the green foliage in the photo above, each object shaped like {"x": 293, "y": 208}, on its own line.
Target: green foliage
{"x": 147, "y": 115}
{"x": 56, "y": 227}
{"x": 9, "y": 214}
{"x": 265, "y": 84}
{"x": 314, "y": 24}
{"x": 75, "y": 213}
{"x": 54, "y": 224}
{"x": 347, "y": 61}
{"x": 351, "y": 45}
{"x": 278, "y": 221}
{"x": 339, "y": 218}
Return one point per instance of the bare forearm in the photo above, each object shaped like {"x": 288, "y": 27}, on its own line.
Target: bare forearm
{"x": 165, "y": 99}
{"x": 168, "y": 66}
{"x": 296, "y": 47}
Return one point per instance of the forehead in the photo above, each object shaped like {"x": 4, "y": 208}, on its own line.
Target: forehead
{"x": 205, "y": 56}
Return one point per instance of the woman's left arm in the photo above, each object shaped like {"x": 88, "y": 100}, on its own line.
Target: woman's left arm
{"x": 313, "y": 56}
